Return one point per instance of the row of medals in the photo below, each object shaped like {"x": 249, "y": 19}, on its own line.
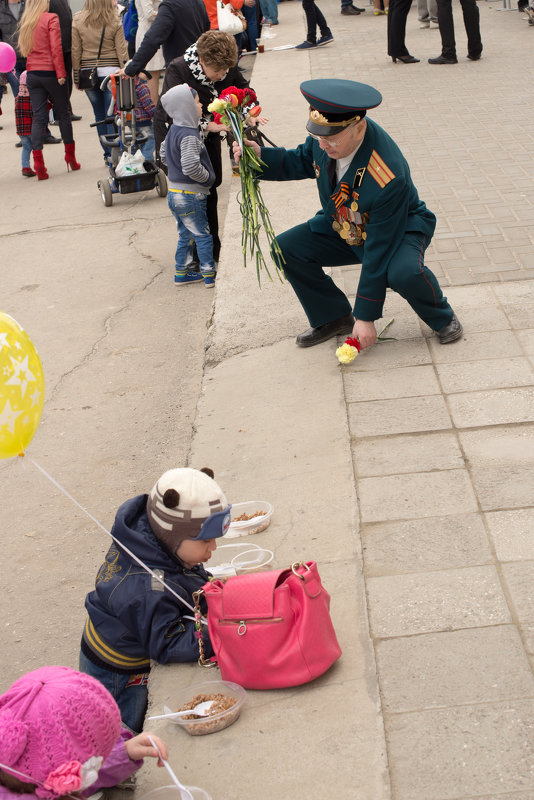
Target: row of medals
{"x": 350, "y": 229}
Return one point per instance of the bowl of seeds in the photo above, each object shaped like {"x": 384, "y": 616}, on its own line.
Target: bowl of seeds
{"x": 253, "y": 516}
{"x": 227, "y": 697}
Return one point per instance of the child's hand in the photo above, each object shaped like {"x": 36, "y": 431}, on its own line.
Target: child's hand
{"x": 140, "y": 747}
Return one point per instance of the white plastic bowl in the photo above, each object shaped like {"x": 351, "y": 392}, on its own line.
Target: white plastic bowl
{"x": 248, "y": 526}
{"x": 173, "y": 793}
{"x": 199, "y": 726}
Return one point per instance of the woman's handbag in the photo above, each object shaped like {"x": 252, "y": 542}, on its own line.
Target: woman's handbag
{"x": 229, "y": 19}
{"x": 270, "y": 630}
{"x": 88, "y": 76}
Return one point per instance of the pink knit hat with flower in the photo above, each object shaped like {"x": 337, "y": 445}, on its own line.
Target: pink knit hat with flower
{"x": 57, "y": 726}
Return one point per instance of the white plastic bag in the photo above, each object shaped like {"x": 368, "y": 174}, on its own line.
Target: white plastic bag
{"x": 130, "y": 164}
{"x": 227, "y": 21}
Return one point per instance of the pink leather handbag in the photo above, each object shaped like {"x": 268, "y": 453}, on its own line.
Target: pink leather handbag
{"x": 272, "y": 629}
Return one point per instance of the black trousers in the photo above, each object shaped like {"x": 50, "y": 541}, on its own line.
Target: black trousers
{"x": 314, "y": 19}
{"x": 41, "y": 86}
{"x": 472, "y": 27}
{"x": 398, "y": 12}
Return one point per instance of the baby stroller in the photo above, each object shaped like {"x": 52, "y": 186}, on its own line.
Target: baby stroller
{"x": 126, "y": 140}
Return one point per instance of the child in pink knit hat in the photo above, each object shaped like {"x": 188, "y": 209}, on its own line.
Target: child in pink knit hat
{"x": 61, "y": 734}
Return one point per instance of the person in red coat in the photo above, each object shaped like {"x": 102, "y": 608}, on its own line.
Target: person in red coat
{"x": 40, "y": 44}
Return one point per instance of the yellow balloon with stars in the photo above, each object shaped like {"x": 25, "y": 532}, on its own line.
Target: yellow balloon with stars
{"x": 21, "y": 388}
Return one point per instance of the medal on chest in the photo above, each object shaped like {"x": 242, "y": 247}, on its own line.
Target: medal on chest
{"x": 348, "y": 222}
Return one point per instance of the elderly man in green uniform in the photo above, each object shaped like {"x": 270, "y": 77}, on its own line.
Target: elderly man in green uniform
{"x": 371, "y": 215}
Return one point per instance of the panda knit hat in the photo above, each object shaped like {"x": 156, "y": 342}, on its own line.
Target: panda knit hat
{"x": 57, "y": 726}
{"x": 187, "y": 504}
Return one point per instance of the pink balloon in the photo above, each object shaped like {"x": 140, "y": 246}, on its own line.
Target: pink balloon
{"x": 8, "y": 57}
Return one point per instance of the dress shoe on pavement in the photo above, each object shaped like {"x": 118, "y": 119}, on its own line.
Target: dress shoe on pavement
{"x": 51, "y": 140}
{"x": 473, "y": 56}
{"x": 442, "y": 60}
{"x": 322, "y": 333}
{"x": 75, "y": 117}
{"x": 450, "y": 332}
{"x": 349, "y": 11}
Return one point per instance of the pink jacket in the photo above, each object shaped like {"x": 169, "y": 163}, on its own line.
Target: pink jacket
{"x": 46, "y": 53}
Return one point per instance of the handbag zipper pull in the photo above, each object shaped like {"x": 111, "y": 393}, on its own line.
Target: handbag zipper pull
{"x": 242, "y": 628}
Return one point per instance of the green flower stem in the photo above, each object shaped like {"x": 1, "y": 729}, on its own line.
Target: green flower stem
{"x": 254, "y": 212}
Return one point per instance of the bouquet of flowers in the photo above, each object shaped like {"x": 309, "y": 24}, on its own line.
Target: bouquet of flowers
{"x": 237, "y": 108}
{"x": 348, "y": 350}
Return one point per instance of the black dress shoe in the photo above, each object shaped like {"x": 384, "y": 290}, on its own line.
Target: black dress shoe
{"x": 349, "y": 11}
{"x": 327, "y": 331}
{"x": 51, "y": 139}
{"x": 450, "y": 332}
{"x": 75, "y": 117}
{"x": 406, "y": 59}
{"x": 442, "y": 60}
{"x": 474, "y": 56}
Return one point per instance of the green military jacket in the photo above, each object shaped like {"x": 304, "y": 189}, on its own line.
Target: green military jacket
{"x": 373, "y": 206}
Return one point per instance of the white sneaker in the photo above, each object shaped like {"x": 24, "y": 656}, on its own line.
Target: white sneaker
{"x": 433, "y": 25}
{"x": 424, "y": 25}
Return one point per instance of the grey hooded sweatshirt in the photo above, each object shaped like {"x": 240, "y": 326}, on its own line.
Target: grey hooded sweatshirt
{"x": 183, "y": 151}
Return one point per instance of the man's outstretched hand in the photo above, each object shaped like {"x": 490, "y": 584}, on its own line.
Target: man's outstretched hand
{"x": 365, "y": 332}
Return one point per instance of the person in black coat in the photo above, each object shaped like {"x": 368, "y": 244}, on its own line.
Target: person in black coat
{"x": 177, "y": 25}
{"x": 62, "y": 9}
{"x": 208, "y": 67}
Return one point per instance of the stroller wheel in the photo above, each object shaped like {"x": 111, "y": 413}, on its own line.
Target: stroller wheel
{"x": 105, "y": 191}
{"x": 161, "y": 183}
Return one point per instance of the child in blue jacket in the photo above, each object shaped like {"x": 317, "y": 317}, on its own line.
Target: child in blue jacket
{"x": 132, "y": 616}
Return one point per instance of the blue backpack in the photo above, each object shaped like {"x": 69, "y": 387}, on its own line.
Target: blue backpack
{"x": 130, "y": 22}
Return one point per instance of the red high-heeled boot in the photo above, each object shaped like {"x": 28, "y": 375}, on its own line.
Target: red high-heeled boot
{"x": 39, "y": 165}
{"x": 70, "y": 157}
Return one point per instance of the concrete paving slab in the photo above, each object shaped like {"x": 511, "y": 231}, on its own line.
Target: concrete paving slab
{"x": 518, "y": 578}
{"x": 395, "y": 383}
{"x": 424, "y": 494}
{"x": 401, "y": 605}
{"x": 480, "y": 375}
{"x": 478, "y": 665}
{"x": 427, "y": 544}
{"x": 497, "y": 407}
{"x": 462, "y": 751}
{"x": 475, "y": 346}
{"x": 409, "y": 453}
{"x": 401, "y": 415}
{"x": 500, "y": 462}
{"x": 511, "y": 533}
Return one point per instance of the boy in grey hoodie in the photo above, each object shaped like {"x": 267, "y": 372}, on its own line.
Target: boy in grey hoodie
{"x": 190, "y": 175}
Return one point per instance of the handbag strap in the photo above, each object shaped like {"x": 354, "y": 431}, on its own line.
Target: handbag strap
{"x": 100, "y": 45}
{"x": 202, "y": 661}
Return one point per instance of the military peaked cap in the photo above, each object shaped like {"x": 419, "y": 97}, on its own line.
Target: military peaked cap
{"x": 336, "y": 103}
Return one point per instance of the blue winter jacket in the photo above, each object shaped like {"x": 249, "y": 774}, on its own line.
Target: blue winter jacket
{"x": 132, "y": 617}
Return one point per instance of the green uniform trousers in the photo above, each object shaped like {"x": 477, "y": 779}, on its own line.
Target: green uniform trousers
{"x": 306, "y": 252}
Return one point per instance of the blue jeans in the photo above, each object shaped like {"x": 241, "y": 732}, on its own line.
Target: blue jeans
{"x": 26, "y": 150}
{"x": 147, "y": 148}
{"x": 131, "y": 699}
{"x": 269, "y": 9}
{"x": 189, "y": 210}
{"x": 252, "y": 26}
{"x": 101, "y": 101}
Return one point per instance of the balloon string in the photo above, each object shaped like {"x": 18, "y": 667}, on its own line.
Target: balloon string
{"x": 120, "y": 544}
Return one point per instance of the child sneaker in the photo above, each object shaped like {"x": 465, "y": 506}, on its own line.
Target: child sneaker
{"x": 184, "y": 278}
{"x": 209, "y": 281}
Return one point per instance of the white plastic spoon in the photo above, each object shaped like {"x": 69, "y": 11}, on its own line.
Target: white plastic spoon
{"x": 201, "y": 710}
{"x": 185, "y": 794}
